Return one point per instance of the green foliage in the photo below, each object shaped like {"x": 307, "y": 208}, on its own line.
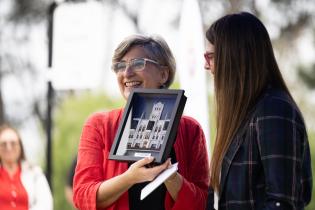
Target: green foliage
{"x": 175, "y": 85}
{"x": 307, "y": 74}
{"x": 69, "y": 118}
{"x": 311, "y": 138}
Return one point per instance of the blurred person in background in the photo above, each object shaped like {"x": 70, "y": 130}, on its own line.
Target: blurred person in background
{"x": 261, "y": 158}
{"x": 22, "y": 185}
{"x": 99, "y": 183}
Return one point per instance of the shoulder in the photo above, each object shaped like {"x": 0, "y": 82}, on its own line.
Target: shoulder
{"x": 190, "y": 127}
{"x": 187, "y": 121}
{"x": 100, "y": 120}
{"x": 101, "y": 124}
{"x": 98, "y": 117}
{"x": 278, "y": 104}
{"x": 31, "y": 168}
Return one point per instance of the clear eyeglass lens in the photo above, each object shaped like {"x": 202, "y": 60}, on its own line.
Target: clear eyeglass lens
{"x": 121, "y": 66}
{"x": 138, "y": 64}
{"x": 5, "y": 144}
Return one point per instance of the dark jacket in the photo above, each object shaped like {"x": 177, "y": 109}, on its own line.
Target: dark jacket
{"x": 267, "y": 165}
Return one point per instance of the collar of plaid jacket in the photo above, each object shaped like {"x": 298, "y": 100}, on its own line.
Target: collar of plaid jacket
{"x": 229, "y": 156}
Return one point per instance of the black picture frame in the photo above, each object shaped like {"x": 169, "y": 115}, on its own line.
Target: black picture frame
{"x": 149, "y": 125}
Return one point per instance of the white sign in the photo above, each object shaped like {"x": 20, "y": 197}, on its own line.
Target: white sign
{"x": 192, "y": 75}
{"x": 78, "y": 45}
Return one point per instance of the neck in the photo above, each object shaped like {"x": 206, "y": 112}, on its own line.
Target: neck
{"x": 10, "y": 167}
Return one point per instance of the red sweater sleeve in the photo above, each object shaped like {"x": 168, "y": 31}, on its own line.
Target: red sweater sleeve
{"x": 93, "y": 167}
{"x": 191, "y": 154}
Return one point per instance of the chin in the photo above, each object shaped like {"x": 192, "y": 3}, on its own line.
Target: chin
{"x": 126, "y": 94}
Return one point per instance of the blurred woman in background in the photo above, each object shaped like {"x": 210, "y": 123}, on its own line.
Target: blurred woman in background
{"x": 22, "y": 186}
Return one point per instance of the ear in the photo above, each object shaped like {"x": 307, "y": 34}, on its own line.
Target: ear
{"x": 165, "y": 72}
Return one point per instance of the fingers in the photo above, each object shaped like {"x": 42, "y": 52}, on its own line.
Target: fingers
{"x": 158, "y": 169}
{"x": 140, "y": 173}
{"x": 136, "y": 172}
{"x": 169, "y": 163}
{"x": 143, "y": 162}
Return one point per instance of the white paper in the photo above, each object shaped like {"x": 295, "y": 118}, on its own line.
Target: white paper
{"x": 158, "y": 181}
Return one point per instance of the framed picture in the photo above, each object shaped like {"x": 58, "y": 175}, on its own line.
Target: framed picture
{"x": 149, "y": 125}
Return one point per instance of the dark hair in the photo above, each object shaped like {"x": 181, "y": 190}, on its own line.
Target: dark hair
{"x": 156, "y": 48}
{"x": 244, "y": 66}
{"x": 5, "y": 127}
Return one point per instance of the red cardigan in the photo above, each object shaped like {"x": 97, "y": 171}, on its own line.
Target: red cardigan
{"x": 93, "y": 165}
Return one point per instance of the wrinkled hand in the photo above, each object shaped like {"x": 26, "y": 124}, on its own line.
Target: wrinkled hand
{"x": 138, "y": 173}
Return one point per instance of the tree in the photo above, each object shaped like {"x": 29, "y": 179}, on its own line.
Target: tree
{"x": 289, "y": 19}
{"x": 307, "y": 74}
{"x": 17, "y": 21}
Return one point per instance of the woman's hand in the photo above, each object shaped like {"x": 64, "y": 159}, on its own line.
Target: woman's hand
{"x": 174, "y": 184}
{"x": 138, "y": 172}
{"x": 111, "y": 189}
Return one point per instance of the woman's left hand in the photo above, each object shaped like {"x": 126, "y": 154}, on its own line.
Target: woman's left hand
{"x": 139, "y": 172}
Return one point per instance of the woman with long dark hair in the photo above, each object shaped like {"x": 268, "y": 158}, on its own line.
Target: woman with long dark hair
{"x": 261, "y": 157}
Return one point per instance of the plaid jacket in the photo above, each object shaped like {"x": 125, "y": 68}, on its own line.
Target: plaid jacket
{"x": 267, "y": 165}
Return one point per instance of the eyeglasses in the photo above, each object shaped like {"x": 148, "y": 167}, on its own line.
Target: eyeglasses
{"x": 137, "y": 64}
{"x": 209, "y": 57}
{"x": 5, "y": 144}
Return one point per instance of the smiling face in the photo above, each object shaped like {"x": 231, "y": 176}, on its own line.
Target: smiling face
{"x": 10, "y": 148}
{"x": 152, "y": 76}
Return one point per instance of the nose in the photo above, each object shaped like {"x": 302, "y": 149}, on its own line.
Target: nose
{"x": 129, "y": 71}
{"x": 206, "y": 66}
{"x": 8, "y": 146}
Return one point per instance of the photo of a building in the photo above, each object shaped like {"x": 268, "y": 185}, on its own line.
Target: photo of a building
{"x": 149, "y": 134}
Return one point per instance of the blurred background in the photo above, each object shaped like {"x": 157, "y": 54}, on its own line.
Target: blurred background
{"x": 55, "y": 59}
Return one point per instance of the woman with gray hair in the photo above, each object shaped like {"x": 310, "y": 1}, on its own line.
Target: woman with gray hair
{"x": 99, "y": 183}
